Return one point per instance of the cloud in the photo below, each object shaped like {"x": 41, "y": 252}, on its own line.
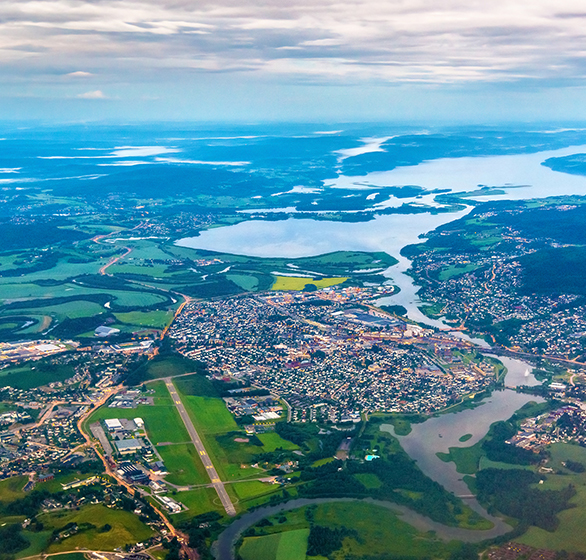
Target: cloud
{"x": 318, "y": 40}
{"x": 79, "y": 74}
{"x": 97, "y": 94}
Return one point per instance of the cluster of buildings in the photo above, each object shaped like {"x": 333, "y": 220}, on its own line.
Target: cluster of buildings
{"x": 488, "y": 291}
{"x": 18, "y": 457}
{"x": 33, "y": 447}
{"x": 130, "y": 399}
{"x": 28, "y": 445}
{"x": 165, "y": 226}
{"x": 514, "y": 550}
{"x": 146, "y": 468}
{"x": 11, "y": 352}
{"x": 565, "y": 424}
{"x": 260, "y": 408}
{"x": 14, "y": 416}
{"x": 123, "y": 437}
{"x": 327, "y": 353}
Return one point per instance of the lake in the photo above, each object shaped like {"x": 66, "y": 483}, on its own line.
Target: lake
{"x": 390, "y": 233}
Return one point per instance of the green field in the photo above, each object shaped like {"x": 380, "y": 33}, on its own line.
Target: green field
{"x": 291, "y": 545}
{"x": 150, "y": 319}
{"x": 272, "y": 441}
{"x": 246, "y": 282}
{"x": 64, "y": 289}
{"x": 34, "y": 374}
{"x": 11, "y": 488}
{"x": 126, "y": 528}
{"x": 184, "y": 465}
{"x": 218, "y": 430}
{"x": 162, "y": 421}
{"x": 210, "y": 415}
{"x": 466, "y": 458}
{"x": 380, "y": 531}
{"x": 456, "y": 270}
{"x": 69, "y": 556}
{"x": 166, "y": 366}
{"x": 369, "y": 480}
{"x": 213, "y": 421}
{"x": 299, "y": 283}
{"x": 38, "y": 543}
{"x": 54, "y": 485}
{"x": 569, "y": 535}
{"x": 200, "y": 500}
{"x": 254, "y": 489}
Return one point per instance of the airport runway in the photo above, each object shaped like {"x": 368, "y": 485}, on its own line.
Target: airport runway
{"x": 205, "y": 458}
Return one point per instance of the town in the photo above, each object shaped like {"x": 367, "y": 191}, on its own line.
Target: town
{"x": 330, "y": 354}
{"x": 480, "y": 284}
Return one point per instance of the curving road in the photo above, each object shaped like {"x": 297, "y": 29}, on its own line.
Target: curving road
{"x": 203, "y": 455}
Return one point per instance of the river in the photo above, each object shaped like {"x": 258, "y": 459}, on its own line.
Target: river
{"x": 439, "y": 433}
{"x": 223, "y": 548}
{"x": 390, "y": 233}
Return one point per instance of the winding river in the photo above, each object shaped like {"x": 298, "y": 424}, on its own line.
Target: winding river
{"x": 391, "y": 233}
{"x": 436, "y": 434}
{"x": 223, "y": 548}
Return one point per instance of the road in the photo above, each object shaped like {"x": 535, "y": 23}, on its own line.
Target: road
{"x": 205, "y": 458}
{"x": 109, "y": 469}
{"x": 115, "y": 260}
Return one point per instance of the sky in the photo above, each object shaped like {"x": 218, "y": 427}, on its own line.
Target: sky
{"x": 308, "y": 60}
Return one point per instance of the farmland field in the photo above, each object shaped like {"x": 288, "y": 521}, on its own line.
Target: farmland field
{"x": 291, "y": 545}
{"x": 299, "y": 283}
{"x": 569, "y": 535}
{"x": 126, "y": 528}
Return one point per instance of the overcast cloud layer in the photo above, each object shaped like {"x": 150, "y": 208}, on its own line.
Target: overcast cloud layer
{"x": 110, "y": 50}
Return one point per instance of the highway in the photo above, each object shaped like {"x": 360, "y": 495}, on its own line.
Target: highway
{"x": 205, "y": 458}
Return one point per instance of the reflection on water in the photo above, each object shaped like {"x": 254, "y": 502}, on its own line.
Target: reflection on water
{"x": 302, "y": 238}
{"x": 524, "y": 172}
{"x": 306, "y": 237}
{"x": 439, "y": 433}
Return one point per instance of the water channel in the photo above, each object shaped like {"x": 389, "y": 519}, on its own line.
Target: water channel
{"x": 223, "y": 548}
{"x": 390, "y": 233}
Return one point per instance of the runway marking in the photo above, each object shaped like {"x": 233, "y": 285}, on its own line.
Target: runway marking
{"x": 205, "y": 458}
